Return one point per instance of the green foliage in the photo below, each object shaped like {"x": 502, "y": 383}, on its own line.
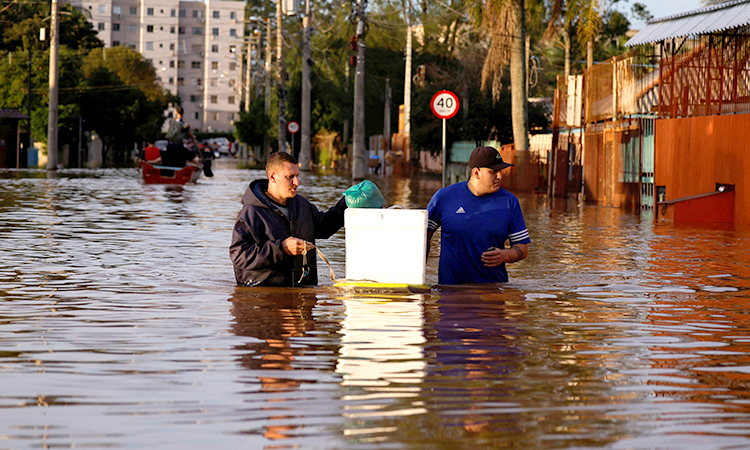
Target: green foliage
{"x": 615, "y": 24}
{"x": 253, "y": 126}
{"x": 24, "y": 20}
{"x": 122, "y": 100}
{"x": 641, "y": 12}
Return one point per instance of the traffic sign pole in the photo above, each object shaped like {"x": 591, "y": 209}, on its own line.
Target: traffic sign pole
{"x": 444, "y": 105}
{"x": 445, "y": 155}
{"x": 293, "y": 128}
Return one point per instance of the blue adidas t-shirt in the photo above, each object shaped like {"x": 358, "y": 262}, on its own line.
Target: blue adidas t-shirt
{"x": 470, "y": 225}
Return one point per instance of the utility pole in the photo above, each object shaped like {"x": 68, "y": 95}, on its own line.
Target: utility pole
{"x": 248, "y": 70}
{"x": 53, "y": 79}
{"x": 28, "y": 109}
{"x": 280, "y": 89}
{"x": 347, "y": 75}
{"x": 387, "y": 118}
{"x": 358, "y": 147}
{"x": 407, "y": 88}
{"x": 267, "y": 87}
{"x": 305, "y": 154}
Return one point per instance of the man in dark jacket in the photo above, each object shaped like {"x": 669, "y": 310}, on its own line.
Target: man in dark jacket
{"x": 276, "y": 226}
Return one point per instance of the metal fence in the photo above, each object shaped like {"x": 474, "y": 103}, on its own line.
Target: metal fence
{"x": 704, "y": 75}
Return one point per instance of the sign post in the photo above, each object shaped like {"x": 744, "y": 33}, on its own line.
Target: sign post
{"x": 444, "y": 105}
{"x": 292, "y": 127}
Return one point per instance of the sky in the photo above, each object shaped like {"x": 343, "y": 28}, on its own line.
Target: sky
{"x": 661, "y": 8}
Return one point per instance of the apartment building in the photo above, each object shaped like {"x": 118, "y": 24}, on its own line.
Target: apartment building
{"x": 195, "y": 47}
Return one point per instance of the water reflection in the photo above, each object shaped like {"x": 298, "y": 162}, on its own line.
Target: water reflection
{"x": 121, "y": 326}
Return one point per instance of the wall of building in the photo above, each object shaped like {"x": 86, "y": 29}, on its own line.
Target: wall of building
{"x": 693, "y": 154}
{"x": 194, "y": 46}
{"x": 609, "y": 177}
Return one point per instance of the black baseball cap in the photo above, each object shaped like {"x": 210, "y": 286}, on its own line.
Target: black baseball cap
{"x": 487, "y": 157}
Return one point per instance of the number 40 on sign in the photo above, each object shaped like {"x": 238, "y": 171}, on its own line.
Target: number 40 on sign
{"x": 444, "y": 105}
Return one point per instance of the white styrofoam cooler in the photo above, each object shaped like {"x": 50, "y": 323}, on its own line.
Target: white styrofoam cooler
{"x": 386, "y": 245}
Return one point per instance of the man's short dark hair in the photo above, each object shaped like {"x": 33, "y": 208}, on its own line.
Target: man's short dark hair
{"x": 276, "y": 161}
{"x": 180, "y": 111}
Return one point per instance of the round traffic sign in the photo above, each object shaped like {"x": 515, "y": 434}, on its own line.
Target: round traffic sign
{"x": 444, "y": 104}
{"x": 293, "y": 127}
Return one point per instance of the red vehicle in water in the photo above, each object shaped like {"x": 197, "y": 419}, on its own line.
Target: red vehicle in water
{"x": 170, "y": 175}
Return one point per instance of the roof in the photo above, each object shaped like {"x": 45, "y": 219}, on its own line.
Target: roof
{"x": 711, "y": 19}
{"x": 12, "y": 114}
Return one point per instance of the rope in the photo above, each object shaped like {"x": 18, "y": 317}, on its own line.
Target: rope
{"x": 334, "y": 280}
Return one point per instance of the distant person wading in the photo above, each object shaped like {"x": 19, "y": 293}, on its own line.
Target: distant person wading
{"x": 177, "y": 155}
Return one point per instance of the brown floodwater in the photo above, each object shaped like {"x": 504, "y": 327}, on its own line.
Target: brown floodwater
{"x": 121, "y": 327}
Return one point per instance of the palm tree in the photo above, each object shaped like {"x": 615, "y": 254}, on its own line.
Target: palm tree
{"x": 505, "y": 22}
{"x": 586, "y": 14}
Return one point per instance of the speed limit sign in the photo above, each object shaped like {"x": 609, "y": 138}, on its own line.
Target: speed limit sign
{"x": 293, "y": 127}
{"x": 444, "y": 104}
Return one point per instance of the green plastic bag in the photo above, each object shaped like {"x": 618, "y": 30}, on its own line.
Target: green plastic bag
{"x": 364, "y": 195}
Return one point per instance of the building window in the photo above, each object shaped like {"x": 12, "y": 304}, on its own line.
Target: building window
{"x": 214, "y": 116}
{"x": 149, "y": 11}
{"x": 233, "y": 32}
{"x": 214, "y": 48}
{"x": 196, "y": 48}
{"x": 100, "y": 26}
{"x": 231, "y": 99}
{"x": 231, "y": 83}
{"x": 196, "y": 13}
{"x": 197, "y": 116}
{"x": 195, "y": 98}
{"x": 115, "y": 43}
{"x": 215, "y": 31}
{"x": 214, "y": 65}
{"x": 231, "y": 116}
{"x": 195, "y": 64}
{"x": 212, "y": 81}
{"x": 149, "y": 28}
{"x": 102, "y": 9}
{"x": 181, "y": 30}
{"x": 171, "y": 80}
{"x": 216, "y": 15}
{"x": 232, "y": 15}
{"x": 183, "y": 13}
{"x": 171, "y": 64}
{"x": 132, "y": 28}
{"x": 133, "y": 10}
{"x": 116, "y": 10}
{"x": 180, "y": 81}
{"x": 197, "y": 30}
{"x": 172, "y": 13}
{"x": 180, "y": 64}
{"x": 199, "y": 81}
{"x": 171, "y": 46}
{"x": 149, "y": 45}
{"x": 171, "y": 30}
{"x": 181, "y": 48}
{"x": 232, "y": 65}
{"x": 115, "y": 27}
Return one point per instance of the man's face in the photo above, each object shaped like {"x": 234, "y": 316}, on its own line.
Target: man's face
{"x": 283, "y": 183}
{"x": 489, "y": 180}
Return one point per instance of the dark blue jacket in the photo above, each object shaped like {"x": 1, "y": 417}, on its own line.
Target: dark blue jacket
{"x": 261, "y": 228}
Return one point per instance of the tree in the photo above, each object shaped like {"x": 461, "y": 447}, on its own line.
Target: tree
{"x": 505, "y": 22}
{"x": 122, "y": 99}
{"x": 253, "y": 126}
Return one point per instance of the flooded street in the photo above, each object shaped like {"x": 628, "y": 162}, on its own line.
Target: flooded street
{"x": 121, "y": 327}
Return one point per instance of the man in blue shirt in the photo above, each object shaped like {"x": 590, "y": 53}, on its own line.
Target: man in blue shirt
{"x": 476, "y": 218}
